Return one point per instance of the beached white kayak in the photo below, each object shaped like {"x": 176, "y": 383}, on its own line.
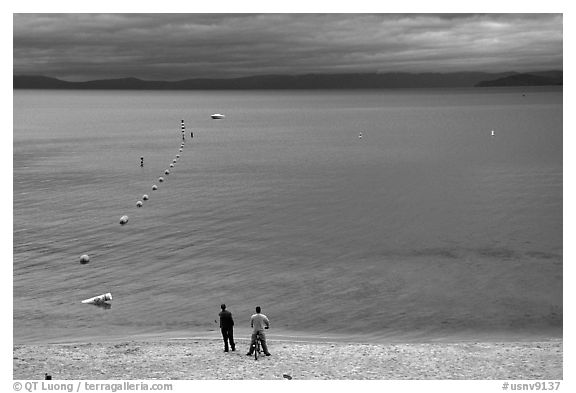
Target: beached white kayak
{"x": 98, "y": 299}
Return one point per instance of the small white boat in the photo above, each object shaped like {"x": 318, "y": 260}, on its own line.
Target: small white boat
{"x": 217, "y": 116}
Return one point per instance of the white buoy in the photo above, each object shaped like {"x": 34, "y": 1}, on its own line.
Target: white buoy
{"x": 160, "y": 179}
{"x": 177, "y": 155}
{"x": 123, "y": 220}
{"x": 154, "y": 187}
{"x": 98, "y": 299}
{"x": 166, "y": 172}
{"x": 180, "y": 150}
{"x": 492, "y": 133}
{"x": 171, "y": 165}
{"x": 84, "y": 259}
{"x": 360, "y": 135}
{"x": 174, "y": 161}
{"x": 139, "y": 204}
{"x": 145, "y": 197}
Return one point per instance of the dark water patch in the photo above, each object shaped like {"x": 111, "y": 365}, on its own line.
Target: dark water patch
{"x": 446, "y": 253}
{"x": 456, "y": 254}
{"x": 543, "y": 255}
{"x": 496, "y": 253}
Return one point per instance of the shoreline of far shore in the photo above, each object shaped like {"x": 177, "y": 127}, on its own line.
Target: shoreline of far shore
{"x": 203, "y": 358}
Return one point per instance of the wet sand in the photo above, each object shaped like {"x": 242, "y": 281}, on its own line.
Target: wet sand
{"x": 204, "y": 359}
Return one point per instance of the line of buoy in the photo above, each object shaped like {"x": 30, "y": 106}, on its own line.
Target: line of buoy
{"x": 102, "y": 300}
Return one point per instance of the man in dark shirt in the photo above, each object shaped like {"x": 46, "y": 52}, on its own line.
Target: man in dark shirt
{"x": 227, "y": 328}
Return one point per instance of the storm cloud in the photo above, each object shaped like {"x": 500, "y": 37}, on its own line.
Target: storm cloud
{"x": 180, "y": 46}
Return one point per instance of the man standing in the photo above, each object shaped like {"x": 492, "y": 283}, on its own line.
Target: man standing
{"x": 227, "y": 328}
{"x": 259, "y": 322}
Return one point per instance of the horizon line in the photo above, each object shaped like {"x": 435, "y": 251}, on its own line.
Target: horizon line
{"x": 284, "y": 75}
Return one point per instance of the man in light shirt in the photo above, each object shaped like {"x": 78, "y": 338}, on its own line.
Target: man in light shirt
{"x": 259, "y": 322}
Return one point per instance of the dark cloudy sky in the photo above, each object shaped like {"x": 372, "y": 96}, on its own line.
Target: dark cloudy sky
{"x": 181, "y": 46}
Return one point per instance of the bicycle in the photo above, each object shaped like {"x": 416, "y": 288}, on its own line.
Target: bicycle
{"x": 257, "y": 346}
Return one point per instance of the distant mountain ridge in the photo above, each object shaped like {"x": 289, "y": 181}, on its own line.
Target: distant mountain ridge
{"x": 548, "y": 78}
{"x": 306, "y": 81}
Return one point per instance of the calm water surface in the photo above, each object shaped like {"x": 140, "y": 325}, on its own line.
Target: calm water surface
{"x": 426, "y": 228}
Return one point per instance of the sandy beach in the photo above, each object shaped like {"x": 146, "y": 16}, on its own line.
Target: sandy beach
{"x": 204, "y": 359}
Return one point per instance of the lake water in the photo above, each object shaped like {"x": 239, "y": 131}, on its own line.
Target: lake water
{"x": 426, "y": 228}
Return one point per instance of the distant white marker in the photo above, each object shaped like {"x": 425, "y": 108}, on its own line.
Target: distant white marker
{"x": 123, "y": 220}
